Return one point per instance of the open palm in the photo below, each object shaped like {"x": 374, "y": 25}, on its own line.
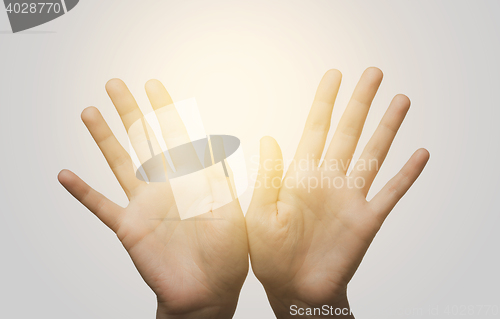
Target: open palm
{"x": 309, "y": 231}
{"x": 196, "y": 266}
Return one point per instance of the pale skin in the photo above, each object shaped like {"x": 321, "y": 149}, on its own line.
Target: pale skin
{"x": 195, "y": 267}
{"x": 306, "y": 244}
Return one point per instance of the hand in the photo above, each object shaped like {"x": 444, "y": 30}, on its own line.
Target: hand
{"x": 197, "y": 266}
{"x": 308, "y": 232}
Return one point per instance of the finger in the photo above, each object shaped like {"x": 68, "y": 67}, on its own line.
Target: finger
{"x": 377, "y": 148}
{"x": 173, "y": 130}
{"x": 351, "y": 124}
{"x": 107, "y": 211}
{"x": 313, "y": 138}
{"x": 140, "y": 133}
{"x": 124, "y": 102}
{"x": 118, "y": 159}
{"x": 268, "y": 181}
{"x": 387, "y": 198}
{"x": 142, "y": 137}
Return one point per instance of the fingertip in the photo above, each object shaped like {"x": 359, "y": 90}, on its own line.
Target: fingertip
{"x": 334, "y": 74}
{"x": 374, "y": 73}
{"x": 402, "y": 99}
{"x": 423, "y": 154}
{"x": 419, "y": 159}
{"x": 65, "y": 177}
{"x": 400, "y": 104}
{"x": 152, "y": 84}
{"x": 114, "y": 85}
{"x": 269, "y": 148}
{"x": 157, "y": 94}
{"x": 89, "y": 114}
{"x": 267, "y": 141}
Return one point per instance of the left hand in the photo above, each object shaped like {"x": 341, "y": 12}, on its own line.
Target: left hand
{"x": 309, "y": 231}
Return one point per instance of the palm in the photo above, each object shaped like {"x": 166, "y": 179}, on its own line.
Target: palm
{"x": 194, "y": 264}
{"x": 187, "y": 264}
{"x": 319, "y": 239}
{"x": 306, "y": 239}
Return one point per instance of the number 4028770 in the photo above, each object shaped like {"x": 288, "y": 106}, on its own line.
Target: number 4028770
{"x": 41, "y": 7}
{"x": 471, "y": 310}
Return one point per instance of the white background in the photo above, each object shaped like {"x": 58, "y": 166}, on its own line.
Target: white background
{"x": 253, "y": 67}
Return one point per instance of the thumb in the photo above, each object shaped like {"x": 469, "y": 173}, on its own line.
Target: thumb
{"x": 270, "y": 174}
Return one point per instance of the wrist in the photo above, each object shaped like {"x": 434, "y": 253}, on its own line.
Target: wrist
{"x": 286, "y": 307}
{"x": 216, "y": 311}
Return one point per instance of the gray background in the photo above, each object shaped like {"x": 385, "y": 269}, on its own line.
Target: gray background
{"x": 253, "y": 67}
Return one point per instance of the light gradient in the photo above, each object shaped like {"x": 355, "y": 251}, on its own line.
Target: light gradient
{"x": 258, "y": 63}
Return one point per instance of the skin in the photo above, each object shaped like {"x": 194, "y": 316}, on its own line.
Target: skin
{"x": 306, "y": 243}
{"x": 196, "y": 267}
